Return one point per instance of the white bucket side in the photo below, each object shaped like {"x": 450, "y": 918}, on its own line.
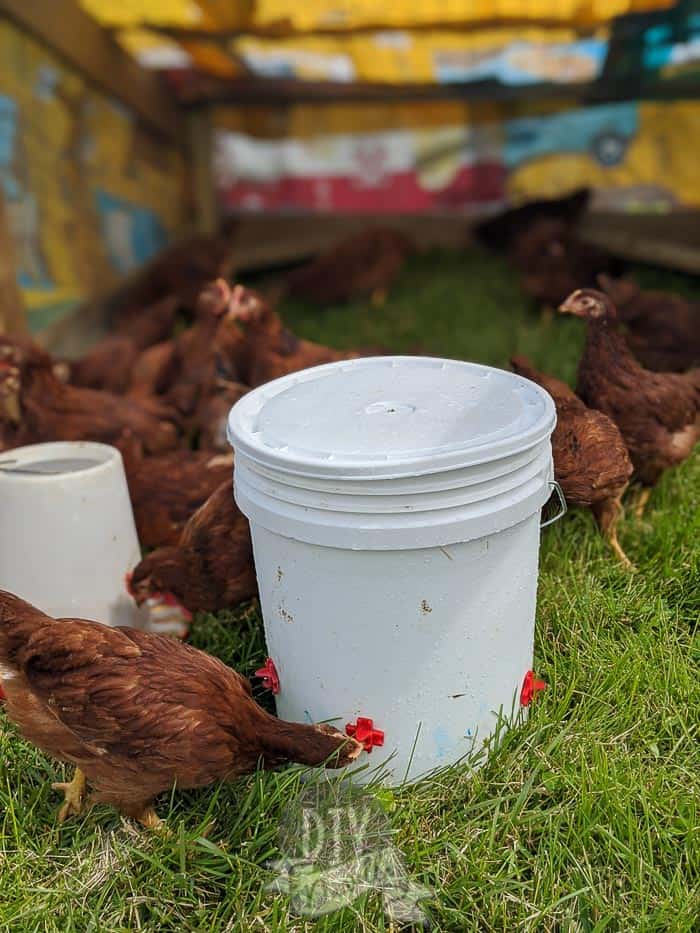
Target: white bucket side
{"x": 395, "y": 509}
{"x": 430, "y": 518}
{"x": 432, "y": 644}
{"x": 67, "y": 540}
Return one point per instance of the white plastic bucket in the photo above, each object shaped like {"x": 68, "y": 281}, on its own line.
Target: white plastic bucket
{"x": 395, "y": 513}
{"x": 67, "y": 533}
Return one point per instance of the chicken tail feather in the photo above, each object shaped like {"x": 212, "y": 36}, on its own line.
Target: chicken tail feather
{"x": 18, "y": 622}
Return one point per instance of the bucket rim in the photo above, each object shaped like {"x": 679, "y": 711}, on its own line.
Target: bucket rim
{"x": 15, "y": 462}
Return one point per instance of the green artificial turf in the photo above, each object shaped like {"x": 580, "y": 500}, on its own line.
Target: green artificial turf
{"x": 586, "y": 818}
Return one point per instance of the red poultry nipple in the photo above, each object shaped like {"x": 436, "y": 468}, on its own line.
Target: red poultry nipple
{"x": 363, "y": 730}
{"x": 531, "y": 686}
{"x": 270, "y": 677}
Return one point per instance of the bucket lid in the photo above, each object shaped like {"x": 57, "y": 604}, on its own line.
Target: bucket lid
{"x": 386, "y": 417}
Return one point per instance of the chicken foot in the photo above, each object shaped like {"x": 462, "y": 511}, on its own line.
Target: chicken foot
{"x": 142, "y": 811}
{"x": 607, "y": 515}
{"x": 150, "y": 819}
{"x": 616, "y": 548}
{"x": 74, "y": 794}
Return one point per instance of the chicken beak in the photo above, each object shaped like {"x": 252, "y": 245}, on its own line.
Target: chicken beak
{"x": 571, "y": 304}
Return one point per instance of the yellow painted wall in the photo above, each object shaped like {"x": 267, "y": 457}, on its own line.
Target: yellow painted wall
{"x": 88, "y": 190}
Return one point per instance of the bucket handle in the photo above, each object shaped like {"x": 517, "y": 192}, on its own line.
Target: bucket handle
{"x": 554, "y": 485}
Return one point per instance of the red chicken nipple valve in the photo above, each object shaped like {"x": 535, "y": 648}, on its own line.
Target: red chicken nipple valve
{"x": 364, "y": 732}
{"x": 269, "y": 676}
{"x": 531, "y": 687}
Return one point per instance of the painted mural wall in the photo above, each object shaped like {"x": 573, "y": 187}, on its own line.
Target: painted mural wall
{"x": 637, "y": 154}
{"x": 457, "y": 157}
{"x": 89, "y": 193}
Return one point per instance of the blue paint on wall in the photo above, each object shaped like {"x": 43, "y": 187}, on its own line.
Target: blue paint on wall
{"x": 603, "y": 132}
{"x": 131, "y": 233}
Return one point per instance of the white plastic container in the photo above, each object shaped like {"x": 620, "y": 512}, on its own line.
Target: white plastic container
{"x": 395, "y": 512}
{"x": 67, "y": 534}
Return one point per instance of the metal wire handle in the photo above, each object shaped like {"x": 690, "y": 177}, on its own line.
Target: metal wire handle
{"x": 562, "y": 502}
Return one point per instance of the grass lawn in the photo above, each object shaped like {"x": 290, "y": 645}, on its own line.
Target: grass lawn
{"x": 587, "y": 818}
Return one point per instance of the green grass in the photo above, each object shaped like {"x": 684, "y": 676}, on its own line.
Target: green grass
{"x": 586, "y": 818}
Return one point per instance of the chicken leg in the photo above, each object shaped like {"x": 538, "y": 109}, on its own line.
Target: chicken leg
{"x": 74, "y": 793}
{"x": 641, "y": 503}
{"x": 607, "y": 515}
{"x": 378, "y": 297}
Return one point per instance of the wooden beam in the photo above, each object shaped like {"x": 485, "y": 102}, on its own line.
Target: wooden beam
{"x": 196, "y": 88}
{"x": 668, "y": 240}
{"x": 285, "y": 29}
{"x": 12, "y": 316}
{"x": 76, "y": 37}
{"x": 200, "y": 145}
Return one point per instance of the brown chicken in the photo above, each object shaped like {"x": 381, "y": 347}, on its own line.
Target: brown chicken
{"x": 502, "y": 231}
{"x": 591, "y": 462}
{"x": 663, "y": 330}
{"x": 166, "y": 490}
{"x": 124, "y": 364}
{"x": 658, "y": 414}
{"x": 268, "y": 350}
{"x": 37, "y": 406}
{"x": 138, "y": 713}
{"x": 363, "y": 264}
{"x": 195, "y": 356}
{"x": 553, "y": 261}
{"x": 211, "y": 567}
{"x": 180, "y": 270}
{"x": 196, "y": 372}
{"x": 107, "y": 366}
{"x": 154, "y": 370}
{"x": 148, "y": 324}
{"x": 211, "y": 417}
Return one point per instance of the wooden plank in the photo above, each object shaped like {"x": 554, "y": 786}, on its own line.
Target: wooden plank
{"x": 285, "y": 30}
{"x": 72, "y": 34}
{"x": 195, "y": 88}
{"x": 669, "y": 240}
{"x": 200, "y": 143}
{"x": 269, "y": 239}
{"x": 13, "y": 319}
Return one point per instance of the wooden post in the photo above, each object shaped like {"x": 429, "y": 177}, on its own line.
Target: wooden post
{"x": 200, "y": 143}
{"x": 12, "y": 317}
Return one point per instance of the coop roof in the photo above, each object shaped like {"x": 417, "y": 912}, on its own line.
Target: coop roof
{"x": 360, "y": 41}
